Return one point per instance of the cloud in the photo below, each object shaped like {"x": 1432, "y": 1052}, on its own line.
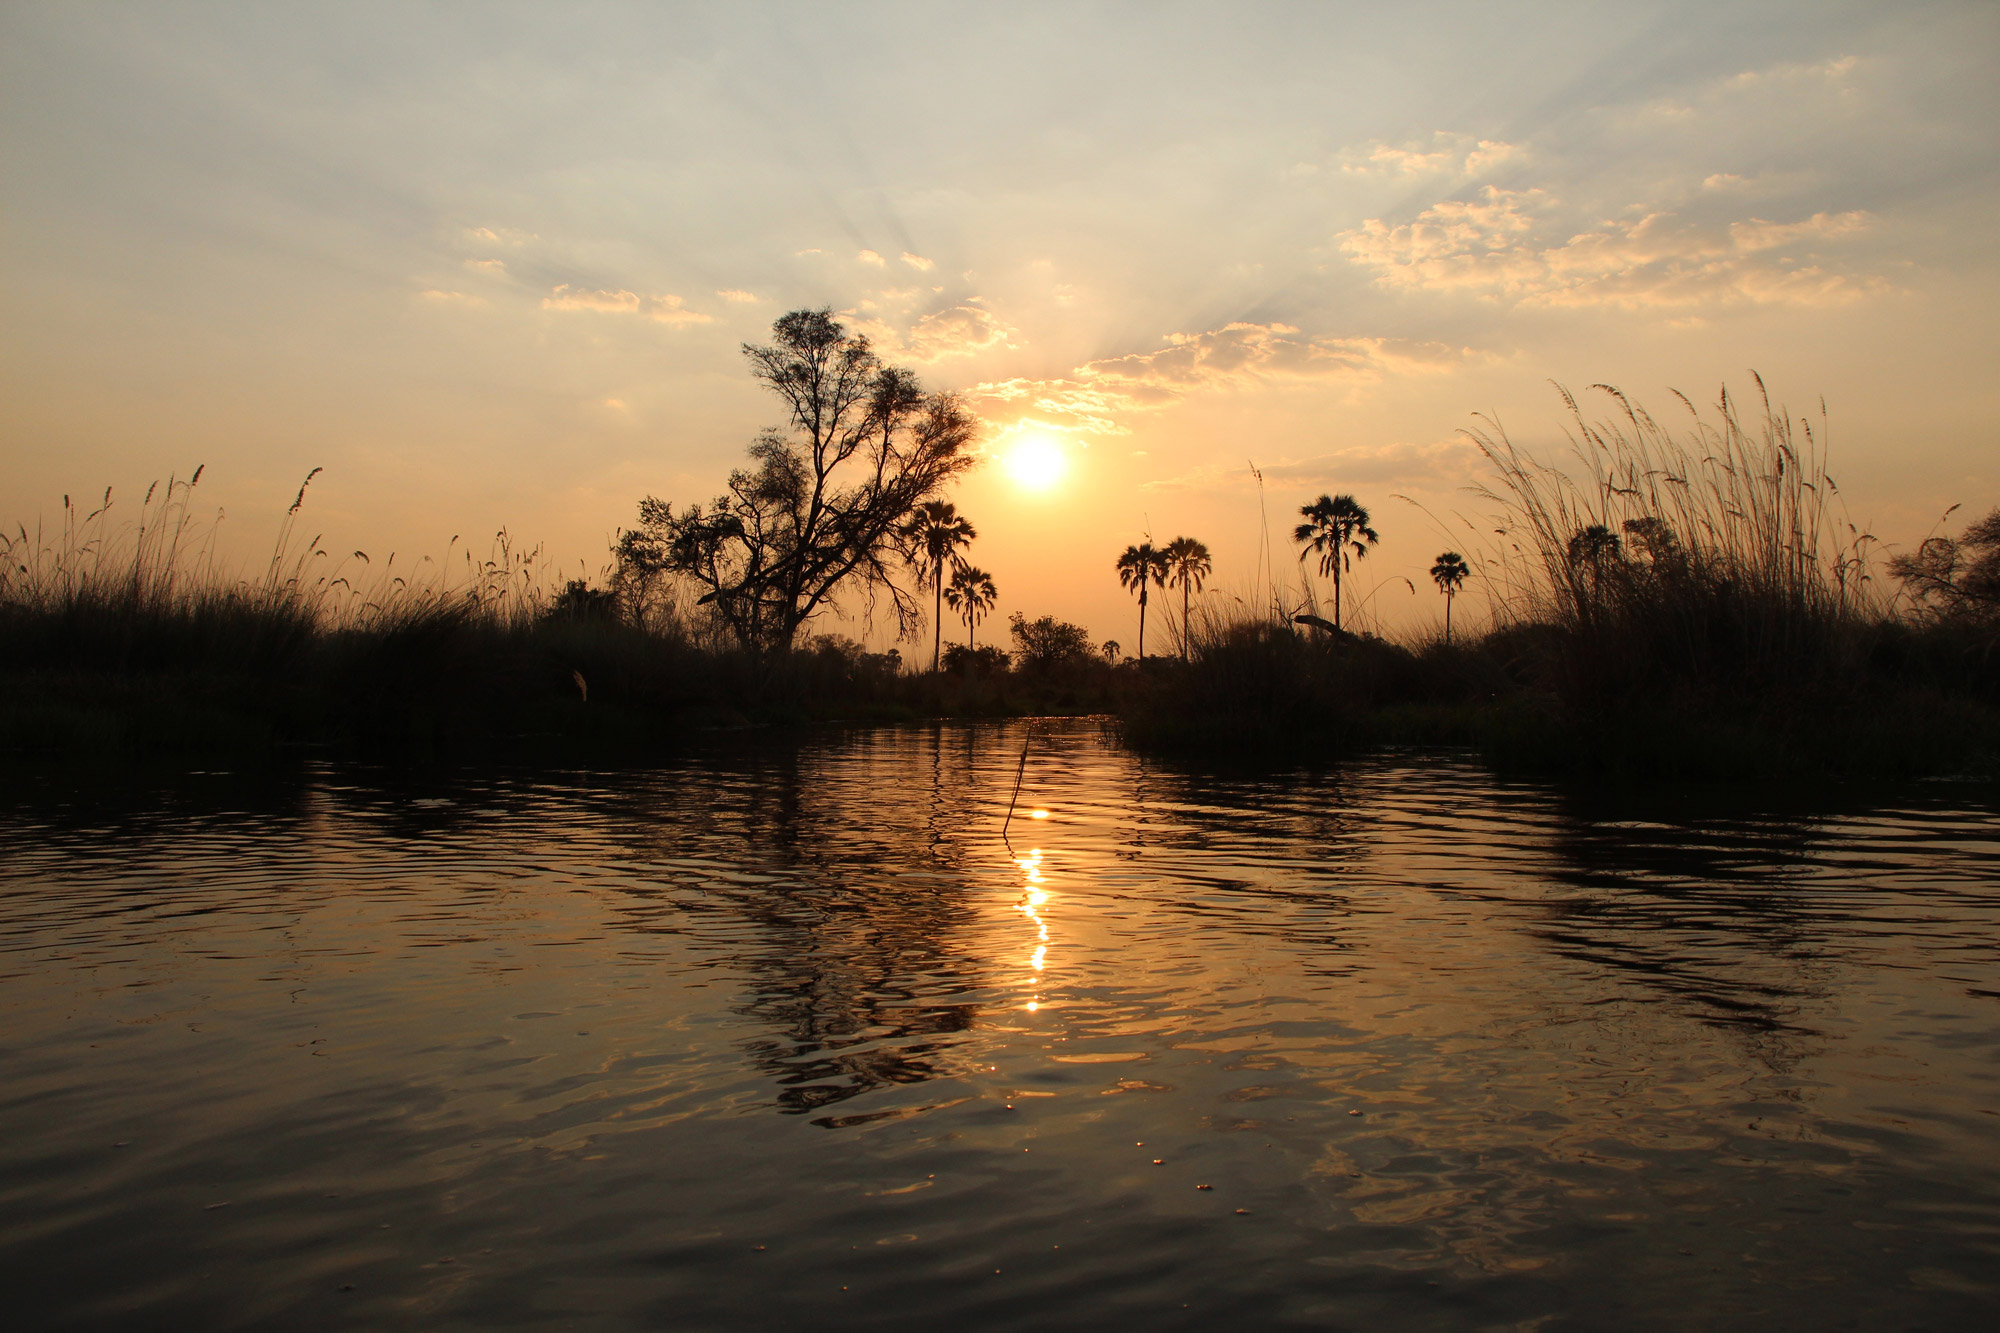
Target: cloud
{"x": 1788, "y": 81}
{"x": 871, "y": 258}
{"x": 737, "y": 296}
{"x": 1233, "y": 358}
{"x": 487, "y": 265}
{"x": 957, "y": 331}
{"x": 672, "y": 310}
{"x": 437, "y": 296}
{"x": 1443, "y": 153}
{"x": 1442, "y": 463}
{"x": 498, "y": 236}
{"x": 564, "y": 297}
{"x": 918, "y": 262}
{"x": 1789, "y": 71}
{"x": 1522, "y": 246}
{"x": 663, "y": 309}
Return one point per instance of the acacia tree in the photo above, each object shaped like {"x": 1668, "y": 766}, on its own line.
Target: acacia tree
{"x": 1336, "y": 528}
{"x": 1449, "y": 573}
{"x": 825, "y": 505}
{"x": 935, "y": 534}
{"x": 1188, "y": 566}
{"x": 1138, "y": 567}
{"x": 972, "y": 595}
{"x": 1956, "y": 576}
{"x": 1047, "y": 644}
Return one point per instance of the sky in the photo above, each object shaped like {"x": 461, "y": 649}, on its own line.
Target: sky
{"x": 491, "y": 266}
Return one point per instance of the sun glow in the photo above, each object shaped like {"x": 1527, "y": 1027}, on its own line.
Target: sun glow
{"x": 1036, "y": 462}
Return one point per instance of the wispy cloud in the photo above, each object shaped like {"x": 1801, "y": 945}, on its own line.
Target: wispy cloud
{"x": 1444, "y": 153}
{"x": 663, "y": 309}
{"x": 918, "y": 262}
{"x": 1789, "y": 81}
{"x": 565, "y": 297}
{"x": 487, "y": 265}
{"x": 964, "y": 329}
{"x": 492, "y": 236}
{"x": 1521, "y": 245}
{"x": 672, "y": 310}
{"x": 872, "y": 259}
{"x": 1440, "y": 464}
{"x": 1236, "y": 357}
{"x": 1826, "y": 72}
{"x": 737, "y": 296}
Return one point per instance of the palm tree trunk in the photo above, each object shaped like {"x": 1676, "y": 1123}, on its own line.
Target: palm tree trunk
{"x": 1447, "y": 620}
{"x": 1142, "y": 618}
{"x": 1336, "y": 590}
{"x": 937, "y": 618}
{"x": 1184, "y": 619}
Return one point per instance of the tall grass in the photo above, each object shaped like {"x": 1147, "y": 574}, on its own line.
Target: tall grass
{"x": 129, "y": 633}
{"x": 1669, "y": 600}
{"x": 1706, "y": 565}
{"x": 104, "y": 593}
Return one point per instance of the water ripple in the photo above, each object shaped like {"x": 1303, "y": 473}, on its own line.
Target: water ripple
{"x": 1397, "y": 1043}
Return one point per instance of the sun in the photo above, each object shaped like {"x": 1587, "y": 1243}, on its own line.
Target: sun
{"x": 1036, "y": 462}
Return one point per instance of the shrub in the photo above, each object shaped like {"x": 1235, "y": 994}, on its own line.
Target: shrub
{"x": 1048, "y": 645}
{"x": 960, "y": 660}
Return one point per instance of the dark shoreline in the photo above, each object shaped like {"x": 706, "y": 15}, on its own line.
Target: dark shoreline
{"x": 1163, "y": 710}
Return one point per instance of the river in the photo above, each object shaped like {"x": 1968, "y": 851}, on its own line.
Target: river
{"x": 795, "y": 1032}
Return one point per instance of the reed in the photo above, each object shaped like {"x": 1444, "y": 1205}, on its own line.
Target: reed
{"x": 1668, "y": 602}
{"x": 1706, "y": 565}
{"x": 127, "y": 634}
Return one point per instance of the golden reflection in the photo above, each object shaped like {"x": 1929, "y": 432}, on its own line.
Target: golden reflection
{"x": 1033, "y": 897}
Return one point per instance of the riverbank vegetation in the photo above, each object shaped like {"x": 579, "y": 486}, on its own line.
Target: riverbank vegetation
{"x": 1666, "y": 602}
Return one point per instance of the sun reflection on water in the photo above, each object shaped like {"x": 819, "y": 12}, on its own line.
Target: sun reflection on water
{"x": 1033, "y": 896}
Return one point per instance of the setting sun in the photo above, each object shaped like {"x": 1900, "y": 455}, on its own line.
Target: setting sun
{"x": 1036, "y": 462}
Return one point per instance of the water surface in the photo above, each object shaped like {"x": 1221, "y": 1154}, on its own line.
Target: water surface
{"x": 787, "y": 1032}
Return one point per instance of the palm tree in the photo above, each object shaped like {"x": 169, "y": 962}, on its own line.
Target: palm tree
{"x": 1448, "y": 573}
{"x": 935, "y": 534}
{"x": 1187, "y": 566}
{"x": 971, "y": 594}
{"x": 1111, "y": 650}
{"x": 1335, "y": 527}
{"x": 1140, "y": 566}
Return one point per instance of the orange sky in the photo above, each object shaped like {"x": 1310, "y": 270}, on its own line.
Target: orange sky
{"x": 492, "y": 266}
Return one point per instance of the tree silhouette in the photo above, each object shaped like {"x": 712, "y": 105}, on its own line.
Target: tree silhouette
{"x": 1187, "y": 565}
{"x": 1048, "y": 644}
{"x": 1139, "y": 567}
{"x": 1592, "y": 553}
{"x": 1111, "y": 650}
{"x": 1955, "y": 576}
{"x": 1449, "y": 573}
{"x": 827, "y": 500}
{"x": 935, "y": 534}
{"x": 971, "y": 594}
{"x": 1336, "y": 528}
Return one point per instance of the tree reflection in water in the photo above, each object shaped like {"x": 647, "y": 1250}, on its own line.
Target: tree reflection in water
{"x": 1475, "y": 1047}
{"x": 858, "y": 973}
